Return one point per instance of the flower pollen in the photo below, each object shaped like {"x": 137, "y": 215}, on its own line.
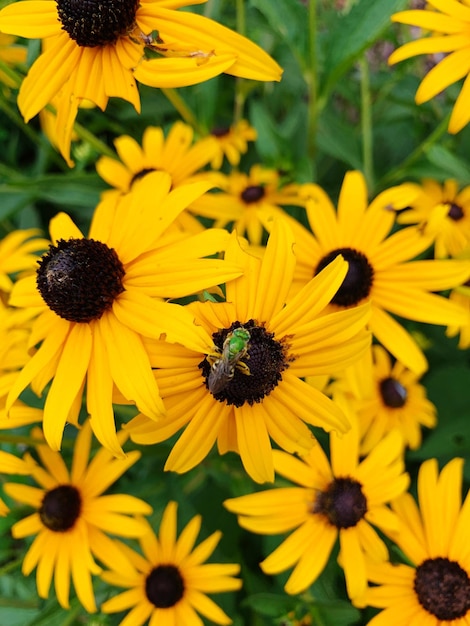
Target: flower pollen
{"x": 92, "y": 23}
{"x": 79, "y": 279}
{"x": 260, "y": 369}
{"x": 60, "y": 508}
{"x": 358, "y": 281}
{"x": 164, "y": 586}
{"x": 393, "y": 393}
{"x": 342, "y": 503}
{"x": 443, "y": 588}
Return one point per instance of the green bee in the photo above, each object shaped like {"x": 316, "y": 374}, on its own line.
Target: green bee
{"x": 223, "y": 367}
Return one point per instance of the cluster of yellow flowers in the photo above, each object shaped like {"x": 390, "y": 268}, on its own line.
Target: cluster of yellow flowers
{"x": 253, "y": 334}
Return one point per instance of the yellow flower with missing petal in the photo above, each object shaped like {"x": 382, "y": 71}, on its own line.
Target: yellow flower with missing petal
{"x": 99, "y": 50}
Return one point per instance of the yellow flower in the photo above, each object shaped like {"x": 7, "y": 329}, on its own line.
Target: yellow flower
{"x": 99, "y": 50}
{"x": 443, "y": 213}
{"x": 10, "y": 54}
{"x": 168, "y": 585}
{"x": 232, "y": 141}
{"x": 242, "y": 407}
{"x": 99, "y": 296}
{"x": 389, "y": 397}
{"x": 177, "y": 155}
{"x": 72, "y": 517}
{"x": 342, "y": 499}
{"x": 449, "y": 24}
{"x": 379, "y": 268}
{"x": 433, "y": 587}
{"x": 246, "y": 200}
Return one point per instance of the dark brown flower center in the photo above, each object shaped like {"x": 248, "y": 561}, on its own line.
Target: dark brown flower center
{"x": 343, "y": 502}
{"x": 256, "y": 374}
{"x": 60, "y": 508}
{"x": 443, "y": 588}
{"x": 393, "y": 393}
{"x": 220, "y": 131}
{"x": 79, "y": 279}
{"x": 93, "y": 23}
{"x": 164, "y": 586}
{"x": 359, "y": 278}
{"x": 455, "y": 212}
{"x": 252, "y": 193}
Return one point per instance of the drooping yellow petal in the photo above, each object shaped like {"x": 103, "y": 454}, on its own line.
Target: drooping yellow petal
{"x": 47, "y": 76}
{"x": 75, "y": 358}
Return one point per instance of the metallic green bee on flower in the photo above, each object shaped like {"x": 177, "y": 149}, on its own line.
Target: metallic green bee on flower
{"x": 223, "y": 366}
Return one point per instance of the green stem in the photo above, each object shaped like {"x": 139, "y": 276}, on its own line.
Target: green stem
{"x": 240, "y": 94}
{"x": 180, "y": 105}
{"x": 366, "y": 124}
{"x": 312, "y": 86}
{"x": 400, "y": 171}
{"x": 93, "y": 140}
{"x": 11, "y": 566}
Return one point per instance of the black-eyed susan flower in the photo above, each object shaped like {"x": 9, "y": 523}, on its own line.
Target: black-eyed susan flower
{"x": 232, "y": 142}
{"x": 247, "y": 199}
{"x": 380, "y": 266}
{"x": 443, "y": 213}
{"x": 433, "y": 587}
{"x": 386, "y": 397}
{"x": 177, "y": 154}
{"x": 243, "y": 392}
{"x": 449, "y": 25}
{"x": 11, "y": 53}
{"x": 99, "y": 50}
{"x": 72, "y": 517}
{"x": 169, "y": 584}
{"x": 99, "y": 296}
{"x": 338, "y": 499}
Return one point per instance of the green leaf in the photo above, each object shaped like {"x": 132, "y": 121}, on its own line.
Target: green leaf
{"x": 446, "y": 387}
{"x": 337, "y": 613}
{"x": 354, "y": 33}
{"x": 338, "y": 139}
{"x": 450, "y": 165}
{"x": 270, "y": 604}
{"x": 287, "y": 19}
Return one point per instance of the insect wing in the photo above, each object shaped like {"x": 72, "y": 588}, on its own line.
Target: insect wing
{"x": 220, "y": 375}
